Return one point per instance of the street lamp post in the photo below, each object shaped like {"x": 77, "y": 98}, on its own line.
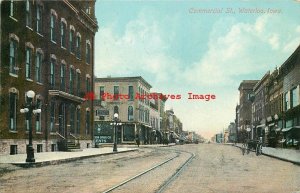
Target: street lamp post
{"x": 29, "y": 109}
{"x": 115, "y": 123}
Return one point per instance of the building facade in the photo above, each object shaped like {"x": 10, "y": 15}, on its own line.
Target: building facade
{"x": 245, "y": 106}
{"x": 259, "y": 104}
{"x": 47, "y": 47}
{"x": 129, "y": 97}
{"x": 291, "y": 97}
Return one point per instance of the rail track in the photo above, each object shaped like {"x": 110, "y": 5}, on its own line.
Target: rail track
{"x": 165, "y": 184}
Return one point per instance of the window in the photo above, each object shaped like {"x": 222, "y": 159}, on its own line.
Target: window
{"x": 28, "y": 14}
{"x": 78, "y": 83}
{"x": 12, "y": 11}
{"x": 13, "y": 111}
{"x": 28, "y": 63}
{"x": 38, "y": 67}
{"x": 87, "y": 122}
{"x": 62, "y": 77}
{"x": 294, "y": 97}
{"x": 63, "y": 33}
{"x": 13, "y": 57}
{"x": 286, "y": 101}
{"x": 116, "y": 109}
{"x": 52, "y": 72}
{"x": 72, "y": 119}
{"x": 78, "y": 46}
{"x": 116, "y": 92}
{"x": 71, "y": 41}
{"x": 78, "y": 121}
{"x": 88, "y": 53}
{"x": 130, "y": 93}
{"x": 101, "y": 93}
{"x": 130, "y": 113}
{"x": 39, "y": 19}
{"x": 88, "y": 85}
{"x": 52, "y": 116}
{"x": 71, "y": 80}
{"x": 53, "y": 27}
{"x": 38, "y": 116}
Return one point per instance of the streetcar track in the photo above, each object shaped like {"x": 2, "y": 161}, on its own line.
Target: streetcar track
{"x": 165, "y": 183}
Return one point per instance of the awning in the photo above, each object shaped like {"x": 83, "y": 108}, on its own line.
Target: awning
{"x": 289, "y": 128}
{"x": 260, "y": 126}
{"x": 272, "y": 124}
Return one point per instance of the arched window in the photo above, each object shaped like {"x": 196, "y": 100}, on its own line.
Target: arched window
{"x": 13, "y": 101}
{"x": 63, "y": 28}
{"x": 38, "y": 65}
{"x": 130, "y": 113}
{"x": 53, "y": 18}
{"x": 116, "y": 109}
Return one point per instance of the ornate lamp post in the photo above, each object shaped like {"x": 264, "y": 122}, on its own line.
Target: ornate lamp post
{"x": 115, "y": 123}
{"x": 29, "y": 109}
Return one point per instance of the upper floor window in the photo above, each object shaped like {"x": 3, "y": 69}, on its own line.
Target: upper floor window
{"x": 28, "y": 62}
{"x": 116, "y": 109}
{"x": 39, "y": 18}
{"x": 130, "y": 93}
{"x": 13, "y": 68}
{"x": 38, "y": 67}
{"x": 52, "y": 71}
{"x": 294, "y": 97}
{"x": 71, "y": 79}
{"x": 28, "y": 14}
{"x": 62, "y": 76}
{"x": 88, "y": 84}
{"x": 53, "y": 19}
{"x": 130, "y": 113}
{"x": 101, "y": 93}
{"x": 116, "y": 92}
{"x": 78, "y": 46}
{"x": 78, "y": 82}
{"x": 13, "y": 10}
{"x": 63, "y": 27}
{"x": 88, "y": 52}
{"x": 286, "y": 101}
{"x": 71, "y": 39}
{"x": 13, "y": 111}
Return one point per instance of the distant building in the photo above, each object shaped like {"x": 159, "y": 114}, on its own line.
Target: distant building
{"x": 259, "y": 108}
{"x": 245, "y": 106}
{"x": 47, "y": 47}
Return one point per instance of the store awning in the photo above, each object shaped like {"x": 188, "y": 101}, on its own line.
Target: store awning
{"x": 260, "y": 126}
{"x": 289, "y": 128}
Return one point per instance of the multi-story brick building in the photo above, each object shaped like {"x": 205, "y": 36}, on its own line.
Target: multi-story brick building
{"x": 245, "y": 106}
{"x": 127, "y": 96}
{"x": 291, "y": 97}
{"x": 259, "y": 104}
{"x": 47, "y": 47}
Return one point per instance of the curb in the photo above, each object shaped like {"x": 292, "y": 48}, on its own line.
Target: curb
{"x": 276, "y": 157}
{"x": 60, "y": 161}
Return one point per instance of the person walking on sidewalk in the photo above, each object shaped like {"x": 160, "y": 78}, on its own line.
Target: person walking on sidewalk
{"x": 137, "y": 140}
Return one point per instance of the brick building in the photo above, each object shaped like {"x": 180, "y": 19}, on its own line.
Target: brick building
{"x": 259, "y": 105}
{"x": 291, "y": 97}
{"x": 47, "y": 47}
{"x": 245, "y": 106}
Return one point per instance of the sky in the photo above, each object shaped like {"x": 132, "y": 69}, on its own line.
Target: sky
{"x": 202, "y": 47}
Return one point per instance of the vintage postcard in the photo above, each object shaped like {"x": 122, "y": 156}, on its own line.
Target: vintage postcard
{"x": 135, "y": 96}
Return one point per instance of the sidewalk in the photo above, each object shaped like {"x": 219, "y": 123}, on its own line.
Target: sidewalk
{"x": 290, "y": 155}
{"x": 49, "y": 158}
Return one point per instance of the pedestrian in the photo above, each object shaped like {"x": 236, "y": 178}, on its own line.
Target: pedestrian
{"x": 137, "y": 140}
